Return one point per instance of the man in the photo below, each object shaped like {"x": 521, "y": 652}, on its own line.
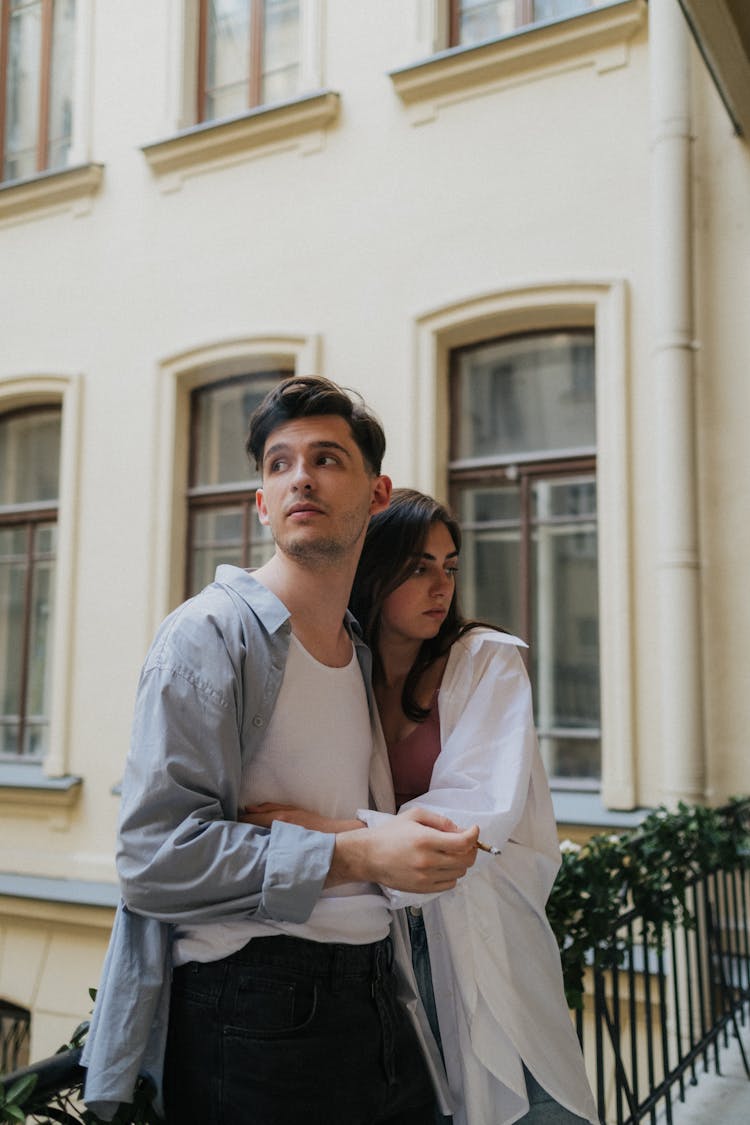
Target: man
{"x": 282, "y": 1004}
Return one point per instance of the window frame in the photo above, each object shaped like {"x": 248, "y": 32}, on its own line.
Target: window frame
{"x": 44, "y": 79}
{"x": 255, "y": 69}
{"x": 29, "y": 516}
{"x": 522, "y": 470}
{"x": 528, "y": 305}
{"x": 202, "y": 498}
{"x": 524, "y": 18}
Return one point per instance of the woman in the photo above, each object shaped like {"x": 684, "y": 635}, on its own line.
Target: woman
{"x": 455, "y": 705}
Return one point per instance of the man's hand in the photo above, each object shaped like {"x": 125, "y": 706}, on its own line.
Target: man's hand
{"x": 417, "y": 851}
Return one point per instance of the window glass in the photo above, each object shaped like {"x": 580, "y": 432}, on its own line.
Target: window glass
{"x": 29, "y": 471}
{"x": 523, "y": 486}
{"x": 23, "y": 89}
{"x": 281, "y": 66}
{"x": 29, "y": 457}
{"x": 227, "y": 57}
{"x": 60, "y": 126}
{"x": 525, "y": 396}
{"x": 223, "y": 524}
{"x": 477, "y": 20}
{"x": 251, "y": 54}
{"x": 37, "y": 59}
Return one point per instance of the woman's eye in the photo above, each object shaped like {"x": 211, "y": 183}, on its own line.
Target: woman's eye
{"x": 452, "y": 571}
{"x": 418, "y": 570}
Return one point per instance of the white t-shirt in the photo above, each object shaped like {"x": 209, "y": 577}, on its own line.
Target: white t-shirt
{"x": 316, "y": 755}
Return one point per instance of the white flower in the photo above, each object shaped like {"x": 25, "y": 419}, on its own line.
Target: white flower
{"x": 569, "y": 846}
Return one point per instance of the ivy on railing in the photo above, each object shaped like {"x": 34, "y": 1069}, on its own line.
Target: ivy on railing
{"x": 648, "y": 870}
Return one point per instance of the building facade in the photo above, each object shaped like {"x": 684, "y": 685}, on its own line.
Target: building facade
{"x": 521, "y": 228}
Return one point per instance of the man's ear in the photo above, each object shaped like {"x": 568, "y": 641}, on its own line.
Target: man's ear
{"x": 260, "y": 504}
{"x": 381, "y": 494}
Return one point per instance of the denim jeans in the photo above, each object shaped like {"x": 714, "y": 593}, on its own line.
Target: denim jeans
{"x": 287, "y": 1031}
{"x": 544, "y": 1110}
{"x": 420, "y": 959}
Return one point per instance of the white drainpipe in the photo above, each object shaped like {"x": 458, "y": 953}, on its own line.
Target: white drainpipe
{"x": 680, "y": 660}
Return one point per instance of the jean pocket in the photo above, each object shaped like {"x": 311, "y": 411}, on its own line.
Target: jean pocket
{"x": 262, "y": 1008}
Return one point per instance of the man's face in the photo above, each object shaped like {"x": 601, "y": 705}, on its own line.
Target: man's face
{"x": 318, "y": 494}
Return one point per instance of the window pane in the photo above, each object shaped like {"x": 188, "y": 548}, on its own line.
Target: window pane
{"x": 281, "y": 50}
{"x": 221, "y": 417}
{"x": 60, "y": 125}
{"x": 13, "y": 565}
{"x": 30, "y": 457}
{"x": 526, "y": 396}
{"x": 559, "y": 9}
{"x": 217, "y": 538}
{"x": 23, "y": 89}
{"x": 480, "y": 20}
{"x": 489, "y": 579}
{"x": 565, "y": 648}
{"x": 38, "y": 693}
{"x": 228, "y": 32}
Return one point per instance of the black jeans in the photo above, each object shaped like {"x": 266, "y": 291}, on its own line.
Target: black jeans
{"x": 287, "y": 1031}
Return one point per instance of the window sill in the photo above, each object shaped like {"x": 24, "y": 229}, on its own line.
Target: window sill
{"x": 26, "y": 790}
{"x": 601, "y": 32}
{"x": 296, "y": 124}
{"x": 580, "y": 815}
{"x": 71, "y": 189}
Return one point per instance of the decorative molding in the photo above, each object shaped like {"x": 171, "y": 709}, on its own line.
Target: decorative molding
{"x": 72, "y": 189}
{"x": 527, "y": 307}
{"x": 300, "y": 123}
{"x": 602, "y": 34}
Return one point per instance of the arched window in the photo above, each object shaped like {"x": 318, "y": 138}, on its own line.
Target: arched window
{"x": 29, "y": 487}
{"x": 523, "y": 483}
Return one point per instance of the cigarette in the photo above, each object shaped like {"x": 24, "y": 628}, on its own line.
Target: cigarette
{"x": 487, "y": 848}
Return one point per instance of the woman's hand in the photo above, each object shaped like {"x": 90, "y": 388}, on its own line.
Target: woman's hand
{"x": 264, "y": 815}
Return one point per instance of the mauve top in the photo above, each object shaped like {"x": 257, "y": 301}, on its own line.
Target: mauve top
{"x": 413, "y": 757}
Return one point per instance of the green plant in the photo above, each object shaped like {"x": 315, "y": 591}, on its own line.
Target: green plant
{"x": 648, "y": 870}
{"x": 11, "y": 1102}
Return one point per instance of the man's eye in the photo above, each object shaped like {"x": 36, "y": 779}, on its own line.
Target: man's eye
{"x": 277, "y": 465}
{"x": 327, "y": 459}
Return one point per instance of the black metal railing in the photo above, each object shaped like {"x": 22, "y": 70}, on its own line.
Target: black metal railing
{"x": 657, "y": 1015}
{"x": 662, "y": 978}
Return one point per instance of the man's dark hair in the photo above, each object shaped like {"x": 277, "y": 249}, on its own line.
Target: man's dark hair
{"x": 305, "y": 395}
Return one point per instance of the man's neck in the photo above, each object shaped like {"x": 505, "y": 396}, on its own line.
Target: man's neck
{"x": 316, "y": 597}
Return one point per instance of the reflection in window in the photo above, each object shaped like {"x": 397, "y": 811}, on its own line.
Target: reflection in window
{"x": 474, "y": 21}
{"x": 37, "y": 41}
{"x": 249, "y": 55}
{"x": 524, "y": 489}
{"x": 29, "y": 472}
{"x": 223, "y": 525}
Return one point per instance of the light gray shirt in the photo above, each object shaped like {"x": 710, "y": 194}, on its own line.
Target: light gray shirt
{"x": 205, "y": 697}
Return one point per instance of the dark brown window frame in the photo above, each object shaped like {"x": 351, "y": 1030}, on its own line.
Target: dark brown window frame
{"x": 522, "y": 471}
{"x": 255, "y": 61}
{"x": 205, "y": 498}
{"x": 45, "y": 75}
{"x": 29, "y": 516}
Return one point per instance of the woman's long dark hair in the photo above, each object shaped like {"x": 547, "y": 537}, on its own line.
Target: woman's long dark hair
{"x": 393, "y": 545}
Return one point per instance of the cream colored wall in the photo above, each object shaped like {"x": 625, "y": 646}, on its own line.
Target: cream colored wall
{"x": 543, "y": 180}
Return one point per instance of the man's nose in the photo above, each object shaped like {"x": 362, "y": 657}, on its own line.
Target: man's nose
{"x": 302, "y": 476}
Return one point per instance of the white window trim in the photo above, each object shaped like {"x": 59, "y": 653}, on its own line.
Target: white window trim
{"x": 598, "y": 37}
{"x": 188, "y": 147}
{"x": 536, "y": 306}
{"x": 64, "y": 391}
{"x": 178, "y": 376}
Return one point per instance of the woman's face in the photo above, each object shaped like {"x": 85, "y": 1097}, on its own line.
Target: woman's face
{"x": 417, "y": 608}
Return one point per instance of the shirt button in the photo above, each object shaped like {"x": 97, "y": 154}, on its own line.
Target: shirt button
{"x": 257, "y": 720}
